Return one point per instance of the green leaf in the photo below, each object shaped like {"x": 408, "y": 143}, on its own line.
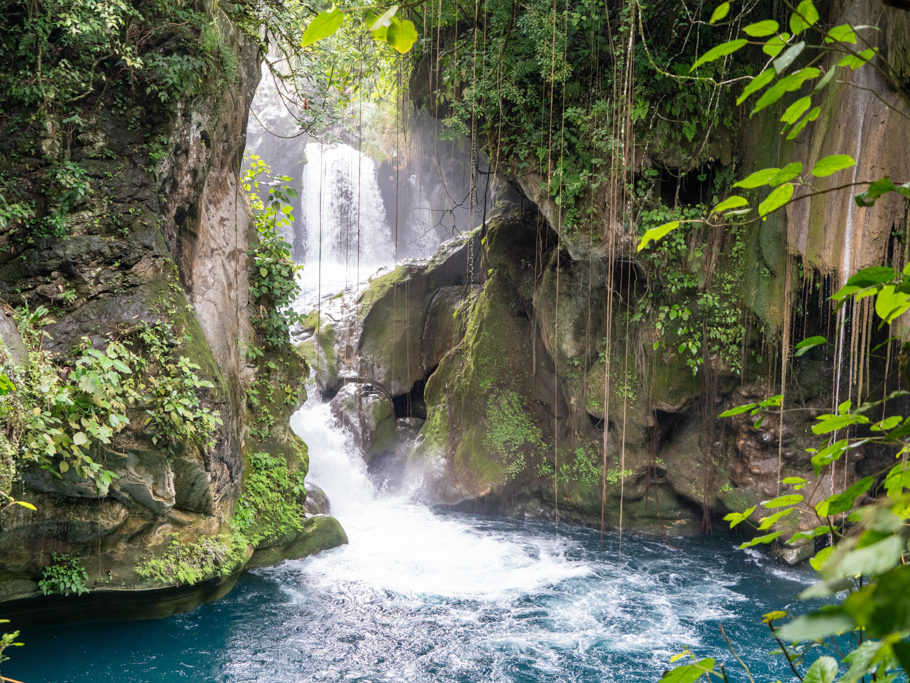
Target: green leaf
{"x": 815, "y": 626}
{"x": 808, "y": 344}
{"x": 890, "y": 303}
{"x": 721, "y": 11}
{"x": 776, "y": 199}
{"x": 877, "y": 189}
{"x": 805, "y": 16}
{"x": 786, "y": 174}
{"x": 790, "y": 83}
{"x": 384, "y": 19}
{"x": 401, "y": 34}
{"x": 796, "y": 110}
{"x": 789, "y": 56}
{"x": 738, "y": 410}
{"x": 689, "y": 673}
{"x": 738, "y": 517}
{"x": 323, "y": 25}
{"x": 797, "y": 129}
{"x": 771, "y": 520}
{"x": 757, "y": 84}
{"x": 841, "y": 34}
{"x": 871, "y": 276}
{"x": 760, "y": 540}
{"x": 760, "y": 29}
{"x": 658, "y": 233}
{"x": 844, "y": 501}
{"x": 856, "y": 61}
{"x": 773, "y": 46}
{"x": 25, "y": 504}
{"x": 812, "y": 533}
{"x": 719, "y": 51}
{"x": 783, "y": 501}
{"x": 823, "y": 670}
{"x": 758, "y": 178}
{"x": 832, "y": 164}
{"x": 732, "y": 202}
{"x": 872, "y": 560}
{"x": 829, "y": 454}
{"x": 80, "y": 438}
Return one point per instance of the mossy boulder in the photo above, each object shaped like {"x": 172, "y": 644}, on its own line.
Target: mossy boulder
{"x": 368, "y": 415}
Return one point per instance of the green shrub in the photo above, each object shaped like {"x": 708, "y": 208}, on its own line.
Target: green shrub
{"x": 66, "y": 576}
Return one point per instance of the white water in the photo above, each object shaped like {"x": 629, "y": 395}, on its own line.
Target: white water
{"x": 348, "y": 237}
{"x": 401, "y": 546}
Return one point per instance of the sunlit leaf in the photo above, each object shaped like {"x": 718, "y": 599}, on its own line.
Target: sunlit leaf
{"x": 719, "y": 51}
{"x": 857, "y": 60}
{"x": 773, "y": 46}
{"x": 721, "y": 11}
{"x": 776, "y": 198}
{"x": 757, "y": 84}
{"x": 323, "y": 25}
{"x": 815, "y": 626}
{"x": 732, "y": 202}
{"x": 401, "y": 34}
{"x": 841, "y": 34}
{"x": 890, "y": 303}
{"x": 832, "y": 164}
{"x": 783, "y": 501}
{"x": 805, "y": 16}
{"x": 808, "y": 118}
{"x": 796, "y": 110}
{"x": 787, "y": 84}
{"x": 760, "y": 29}
{"x": 658, "y": 233}
{"x": 738, "y": 410}
{"x": 823, "y": 670}
{"x": 808, "y": 344}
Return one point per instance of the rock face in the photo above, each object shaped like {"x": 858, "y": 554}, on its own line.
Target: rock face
{"x": 160, "y": 239}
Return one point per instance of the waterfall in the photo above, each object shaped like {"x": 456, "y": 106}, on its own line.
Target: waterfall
{"x": 346, "y": 234}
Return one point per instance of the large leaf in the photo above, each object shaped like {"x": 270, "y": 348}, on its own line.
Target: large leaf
{"x": 890, "y": 303}
{"x": 823, "y": 670}
{"x": 658, "y": 233}
{"x": 815, "y": 626}
{"x": 857, "y": 60}
{"x": 689, "y": 673}
{"x": 773, "y": 46}
{"x": 789, "y": 56}
{"x": 796, "y": 110}
{"x": 790, "y": 83}
{"x": 805, "y": 16}
{"x": 758, "y": 178}
{"x": 401, "y": 34}
{"x": 832, "y": 164}
{"x": 323, "y": 25}
{"x": 872, "y": 560}
{"x": 777, "y": 198}
{"x": 757, "y": 84}
{"x": 719, "y": 51}
{"x": 721, "y": 11}
{"x": 761, "y": 29}
{"x": 808, "y": 344}
{"x": 841, "y": 34}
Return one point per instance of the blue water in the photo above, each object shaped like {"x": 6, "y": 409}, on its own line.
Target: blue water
{"x": 419, "y": 595}
{"x": 617, "y": 621}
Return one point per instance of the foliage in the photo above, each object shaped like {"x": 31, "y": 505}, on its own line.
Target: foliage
{"x": 862, "y": 567}
{"x": 269, "y": 507}
{"x": 386, "y": 27}
{"x": 510, "y": 433}
{"x": 7, "y": 640}
{"x": 697, "y": 312}
{"x": 786, "y": 71}
{"x": 273, "y": 283}
{"x": 59, "y": 415}
{"x": 66, "y": 576}
{"x": 543, "y": 87}
{"x": 191, "y": 563}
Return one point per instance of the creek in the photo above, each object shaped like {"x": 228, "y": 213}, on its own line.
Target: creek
{"x": 426, "y": 595}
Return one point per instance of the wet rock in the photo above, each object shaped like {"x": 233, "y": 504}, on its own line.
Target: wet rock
{"x": 316, "y": 503}
{"x": 368, "y": 415}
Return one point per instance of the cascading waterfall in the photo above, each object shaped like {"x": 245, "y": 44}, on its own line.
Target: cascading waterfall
{"x": 347, "y": 235}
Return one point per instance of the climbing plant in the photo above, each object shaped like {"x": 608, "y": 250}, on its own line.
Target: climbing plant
{"x": 863, "y": 523}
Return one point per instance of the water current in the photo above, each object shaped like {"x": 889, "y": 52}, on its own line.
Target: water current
{"x": 424, "y": 595}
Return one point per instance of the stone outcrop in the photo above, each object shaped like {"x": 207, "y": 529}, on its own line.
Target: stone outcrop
{"x": 159, "y": 239}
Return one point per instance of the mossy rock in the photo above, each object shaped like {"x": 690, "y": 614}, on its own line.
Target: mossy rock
{"x": 321, "y": 532}
{"x": 485, "y": 418}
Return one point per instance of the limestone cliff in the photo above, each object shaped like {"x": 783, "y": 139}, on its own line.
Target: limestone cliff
{"x": 150, "y": 252}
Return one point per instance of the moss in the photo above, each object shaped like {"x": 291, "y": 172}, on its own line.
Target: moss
{"x": 206, "y": 558}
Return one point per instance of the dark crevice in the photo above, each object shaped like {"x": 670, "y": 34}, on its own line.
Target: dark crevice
{"x": 412, "y": 404}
